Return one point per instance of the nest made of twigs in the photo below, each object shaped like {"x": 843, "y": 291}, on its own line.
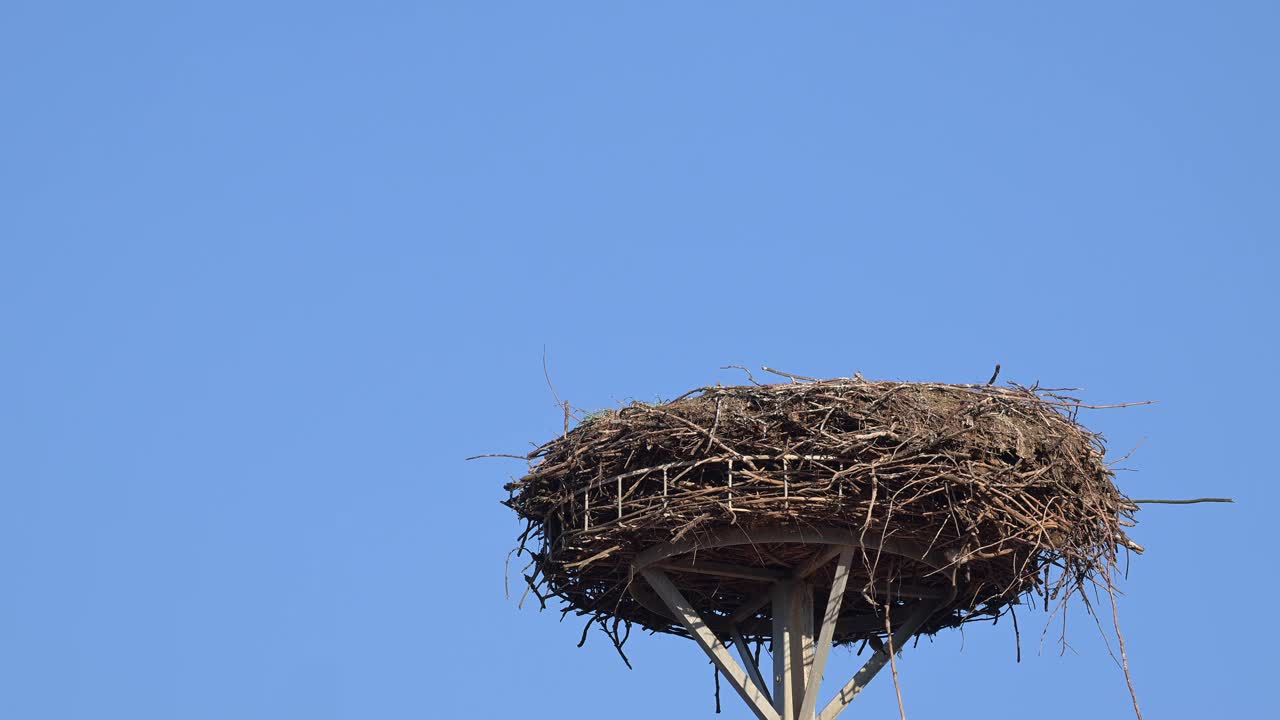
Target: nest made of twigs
{"x": 1002, "y": 484}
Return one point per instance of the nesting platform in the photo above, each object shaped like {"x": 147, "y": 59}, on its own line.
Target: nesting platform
{"x": 904, "y": 508}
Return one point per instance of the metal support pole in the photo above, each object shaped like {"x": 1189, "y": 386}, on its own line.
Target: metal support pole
{"x": 798, "y": 663}
{"x": 793, "y": 650}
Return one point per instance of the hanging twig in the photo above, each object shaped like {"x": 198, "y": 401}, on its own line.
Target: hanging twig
{"x": 716, "y": 671}
{"x": 893, "y": 663}
{"x": 1124, "y": 656}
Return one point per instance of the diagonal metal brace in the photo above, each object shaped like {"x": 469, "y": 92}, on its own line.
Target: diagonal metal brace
{"x": 710, "y": 644}
{"x": 923, "y": 610}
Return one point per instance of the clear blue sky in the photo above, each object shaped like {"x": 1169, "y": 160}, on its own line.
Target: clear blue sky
{"x": 269, "y": 271}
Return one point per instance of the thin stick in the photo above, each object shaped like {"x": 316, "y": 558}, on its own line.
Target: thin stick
{"x": 559, "y": 403}
{"x": 750, "y": 377}
{"x": 1182, "y": 502}
{"x": 1124, "y": 657}
{"x": 787, "y": 375}
{"x": 893, "y": 664}
{"x": 1098, "y": 407}
{"x": 1127, "y": 455}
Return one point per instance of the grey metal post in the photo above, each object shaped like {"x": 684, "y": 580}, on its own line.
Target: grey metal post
{"x": 793, "y": 649}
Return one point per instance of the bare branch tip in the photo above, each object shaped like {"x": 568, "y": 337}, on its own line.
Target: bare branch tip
{"x": 994, "y": 375}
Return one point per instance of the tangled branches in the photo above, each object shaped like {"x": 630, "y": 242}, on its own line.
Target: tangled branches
{"x": 1002, "y": 483}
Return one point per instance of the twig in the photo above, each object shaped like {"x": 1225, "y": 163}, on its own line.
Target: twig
{"x": 498, "y": 455}
{"x": 564, "y": 405}
{"x": 893, "y": 664}
{"x": 1083, "y": 406}
{"x": 1182, "y": 502}
{"x": 618, "y": 642}
{"x": 787, "y": 375}
{"x": 1128, "y": 454}
{"x": 1017, "y": 636}
{"x": 994, "y": 375}
{"x": 586, "y": 628}
{"x": 711, "y": 434}
{"x": 716, "y": 670}
{"x": 750, "y": 377}
{"x": 1124, "y": 657}
{"x": 598, "y": 556}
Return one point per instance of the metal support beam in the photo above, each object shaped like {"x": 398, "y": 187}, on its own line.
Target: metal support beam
{"x": 818, "y": 561}
{"x": 727, "y": 537}
{"x": 823, "y": 648}
{"x": 798, "y": 662}
{"x": 741, "y": 572}
{"x": 901, "y": 635}
{"x": 749, "y": 662}
{"x": 710, "y": 644}
{"x": 751, "y": 606}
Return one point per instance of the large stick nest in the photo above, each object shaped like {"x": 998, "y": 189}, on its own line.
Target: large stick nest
{"x": 1002, "y": 483}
